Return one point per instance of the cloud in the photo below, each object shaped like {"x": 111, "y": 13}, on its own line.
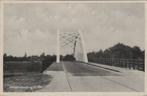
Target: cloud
{"x": 32, "y": 27}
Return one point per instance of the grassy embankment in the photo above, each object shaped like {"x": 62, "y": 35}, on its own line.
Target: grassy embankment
{"x": 24, "y": 77}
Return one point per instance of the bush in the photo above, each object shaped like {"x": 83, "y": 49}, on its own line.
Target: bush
{"x": 22, "y": 66}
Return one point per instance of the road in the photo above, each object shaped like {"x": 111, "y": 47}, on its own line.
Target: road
{"x": 81, "y": 69}
{"x": 81, "y": 77}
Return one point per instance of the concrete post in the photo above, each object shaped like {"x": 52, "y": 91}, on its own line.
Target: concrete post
{"x": 58, "y": 47}
{"x": 83, "y": 46}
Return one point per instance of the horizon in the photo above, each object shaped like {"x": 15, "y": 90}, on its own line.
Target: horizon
{"x": 71, "y": 53}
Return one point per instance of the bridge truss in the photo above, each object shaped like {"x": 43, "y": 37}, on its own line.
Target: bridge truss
{"x": 73, "y": 41}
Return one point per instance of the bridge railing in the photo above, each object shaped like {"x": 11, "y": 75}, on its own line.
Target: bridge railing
{"x": 136, "y": 64}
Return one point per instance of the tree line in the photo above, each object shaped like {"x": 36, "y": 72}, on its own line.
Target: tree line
{"x": 117, "y": 51}
{"x": 42, "y": 57}
{"x": 46, "y": 60}
{"x": 120, "y": 51}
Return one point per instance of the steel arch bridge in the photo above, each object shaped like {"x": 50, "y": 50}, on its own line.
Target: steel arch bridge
{"x": 74, "y": 40}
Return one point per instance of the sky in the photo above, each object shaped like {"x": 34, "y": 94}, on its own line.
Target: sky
{"x": 32, "y": 27}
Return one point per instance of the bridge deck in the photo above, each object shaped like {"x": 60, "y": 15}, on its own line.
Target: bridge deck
{"x": 76, "y": 76}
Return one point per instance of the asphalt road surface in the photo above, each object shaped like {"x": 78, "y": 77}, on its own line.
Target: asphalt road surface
{"x": 83, "y": 69}
{"x": 82, "y": 77}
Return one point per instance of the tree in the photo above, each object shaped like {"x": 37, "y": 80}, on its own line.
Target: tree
{"x": 137, "y": 53}
{"x": 5, "y": 55}
{"x": 42, "y": 56}
{"x": 117, "y": 51}
{"x": 25, "y": 56}
{"x": 69, "y": 58}
{"x": 99, "y": 54}
{"x": 143, "y": 54}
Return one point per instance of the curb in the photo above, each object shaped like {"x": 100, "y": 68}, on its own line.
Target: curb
{"x": 102, "y": 67}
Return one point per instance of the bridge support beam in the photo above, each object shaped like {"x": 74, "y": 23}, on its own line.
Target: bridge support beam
{"x": 83, "y": 47}
{"x": 58, "y": 47}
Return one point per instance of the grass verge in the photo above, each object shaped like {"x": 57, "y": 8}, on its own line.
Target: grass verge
{"x": 26, "y": 82}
